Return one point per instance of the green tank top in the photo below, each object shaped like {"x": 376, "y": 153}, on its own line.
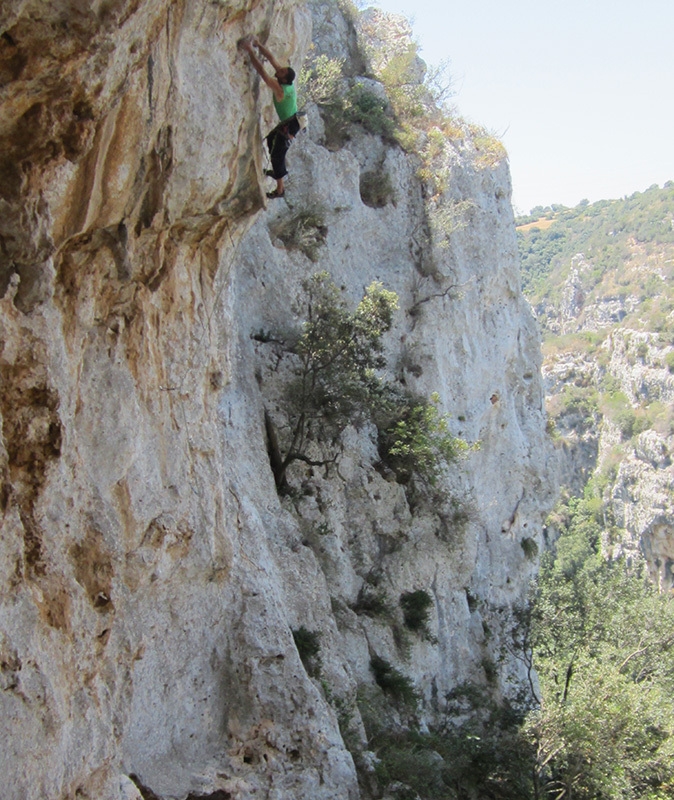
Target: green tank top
{"x": 288, "y": 106}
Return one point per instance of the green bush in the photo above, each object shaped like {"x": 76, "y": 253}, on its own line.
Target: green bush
{"x": 630, "y": 422}
{"x": 410, "y": 761}
{"x": 580, "y": 403}
{"x": 344, "y": 108}
{"x": 625, "y": 419}
{"x": 414, "y": 438}
{"x": 364, "y": 107}
{"x": 393, "y": 683}
{"x": 477, "y": 752}
{"x": 416, "y": 608}
{"x": 308, "y": 644}
{"x": 321, "y": 82}
{"x": 604, "y": 653}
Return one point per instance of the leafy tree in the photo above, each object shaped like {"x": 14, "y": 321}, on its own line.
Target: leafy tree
{"x": 337, "y": 381}
{"x": 337, "y": 355}
{"x": 414, "y": 438}
{"x": 603, "y": 646}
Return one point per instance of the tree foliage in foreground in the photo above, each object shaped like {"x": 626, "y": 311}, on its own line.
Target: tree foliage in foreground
{"x": 602, "y": 725}
{"x": 603, "y": 646}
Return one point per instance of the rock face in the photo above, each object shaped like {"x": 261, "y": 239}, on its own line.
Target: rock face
{"x": 612, "y": 405}
{"x": 151, "y": 576}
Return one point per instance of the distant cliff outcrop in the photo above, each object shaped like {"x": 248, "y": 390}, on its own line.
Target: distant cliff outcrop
{"x": 599, "y": 277}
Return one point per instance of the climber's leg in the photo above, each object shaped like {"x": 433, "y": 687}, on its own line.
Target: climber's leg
{"x": 278, "y": 147}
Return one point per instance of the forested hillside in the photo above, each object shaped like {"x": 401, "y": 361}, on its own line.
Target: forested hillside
{"x": 599, "y": 277}
{"x": 615, "y": 235}
{"x": 599, "y": 627}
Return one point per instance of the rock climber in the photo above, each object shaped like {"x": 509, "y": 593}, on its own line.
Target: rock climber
{"x": 285, "y": 103}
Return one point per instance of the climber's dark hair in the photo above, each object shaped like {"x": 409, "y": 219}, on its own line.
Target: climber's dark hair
{"x": 289, "y": 77}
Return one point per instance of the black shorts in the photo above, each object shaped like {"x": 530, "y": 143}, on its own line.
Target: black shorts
{"x": 278, "y": 142}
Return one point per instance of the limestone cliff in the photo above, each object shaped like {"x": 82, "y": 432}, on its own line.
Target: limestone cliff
{"x": 151, "y": 577}
{"x": 631, "y": 467}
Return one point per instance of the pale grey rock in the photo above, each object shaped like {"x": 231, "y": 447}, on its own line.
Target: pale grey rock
{"x": 334, "y": 35}
{"x": 573, "y": 294}
{"x": 387, "y": 37}
{"x": 641, "y": 503}
{"x": 638, "y": 361}
{"x": 652, "y": 448}
{"x": 580, "y": 311}
{"x": 128, "y": 789}
{"x": 152, "y": 577}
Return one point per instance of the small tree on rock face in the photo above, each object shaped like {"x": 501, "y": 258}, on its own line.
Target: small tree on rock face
{"x": 339, "y": 351}
{"x": 414, "y": 438}
{"x": 338, "y": 354}
{"x": 337, "y": 382}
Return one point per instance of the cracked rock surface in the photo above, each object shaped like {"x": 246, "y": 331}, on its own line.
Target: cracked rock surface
{"x": 151, "y": 577}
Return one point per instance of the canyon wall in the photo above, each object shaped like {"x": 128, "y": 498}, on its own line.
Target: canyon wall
{"x": 152, "y": 577}
{"x": 610, "y": 394}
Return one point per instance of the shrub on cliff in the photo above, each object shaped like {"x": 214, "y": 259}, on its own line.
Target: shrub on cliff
{"x": 393, "y": 682}
{"x": 416, "y": 608}
{"x": 337, "y": 355}
{"x": 337, "y": 381}
{"x": 414, "y": 438}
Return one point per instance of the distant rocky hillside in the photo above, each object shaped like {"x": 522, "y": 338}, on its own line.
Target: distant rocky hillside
{"x": 599, "y": 277}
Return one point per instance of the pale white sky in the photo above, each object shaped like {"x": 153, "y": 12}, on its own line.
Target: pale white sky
{"x": 581, "y": 92}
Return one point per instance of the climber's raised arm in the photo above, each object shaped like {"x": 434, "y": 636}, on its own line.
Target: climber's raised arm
{"x": 267, "y": 54}
{"x": 271, "y": 82}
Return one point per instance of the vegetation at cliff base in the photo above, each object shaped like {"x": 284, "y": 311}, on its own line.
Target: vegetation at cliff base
{"x": 601, "y": 723}
{"x": 603, "y": 649}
